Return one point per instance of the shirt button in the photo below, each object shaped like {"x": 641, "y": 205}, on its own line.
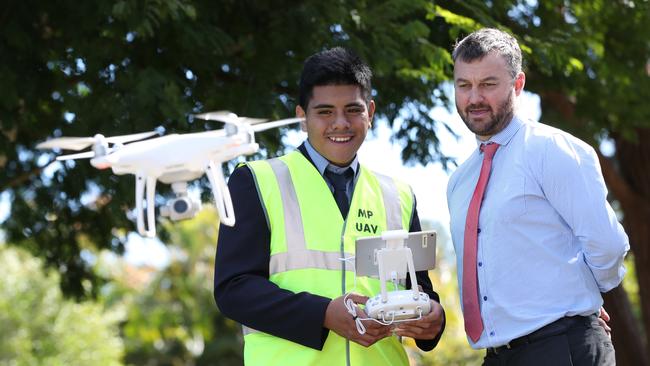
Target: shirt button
{"x": 492, "y": 333}
{"x": 478, "y": 230}
{"x": 480, "y": 264}
{"x": 484, "y": 298}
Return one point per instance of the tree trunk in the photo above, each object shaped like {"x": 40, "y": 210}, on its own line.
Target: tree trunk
{"x": 634, "y": 172}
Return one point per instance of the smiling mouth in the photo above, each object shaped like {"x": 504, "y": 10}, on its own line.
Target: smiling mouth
{"x": 340, "y": 139}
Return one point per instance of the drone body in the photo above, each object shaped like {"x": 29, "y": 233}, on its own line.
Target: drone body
{"x": 175, "y": 156}
{"x": 173, "y": 159}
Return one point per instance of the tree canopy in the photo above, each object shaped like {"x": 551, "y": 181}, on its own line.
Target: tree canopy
{"x": 76, "y": 69}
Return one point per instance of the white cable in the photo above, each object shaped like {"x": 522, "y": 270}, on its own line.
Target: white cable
{"x": 350, "y": 260}
{"x": 352, "y": 309}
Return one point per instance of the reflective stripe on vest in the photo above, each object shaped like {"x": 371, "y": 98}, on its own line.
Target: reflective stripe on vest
{"x": 293, "y": 227}
{"x": 391, "y": 202}
{"x": 297, "y": 256}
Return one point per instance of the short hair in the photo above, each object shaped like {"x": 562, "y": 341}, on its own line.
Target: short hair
{"x": 336, "y": 66}
{"x": 489, "y": 40}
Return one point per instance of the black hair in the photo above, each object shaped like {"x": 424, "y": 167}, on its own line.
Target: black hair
{"x": 489, "y": 40}
{"x": 336, "y": 66}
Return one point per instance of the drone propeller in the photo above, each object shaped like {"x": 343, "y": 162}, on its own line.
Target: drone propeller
{"x": 68, "y": 143}
{"x": 80, "y": 143}
{"x": 274, "y": 124}
{"x": 130, "y": 138}
{"x": 228, "y": 117}
{"x": 83, "y": 155}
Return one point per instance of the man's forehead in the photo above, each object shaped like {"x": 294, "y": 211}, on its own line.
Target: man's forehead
{"x": 491, "y": 65}
{"x": 338, "y": 93}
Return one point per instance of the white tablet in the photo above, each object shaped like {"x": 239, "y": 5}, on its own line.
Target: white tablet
{"x": 422, "y": 244}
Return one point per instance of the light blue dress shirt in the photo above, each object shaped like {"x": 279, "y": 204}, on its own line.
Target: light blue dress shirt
{"x": 549, "y": 243}
{"x": 322, "y": 164}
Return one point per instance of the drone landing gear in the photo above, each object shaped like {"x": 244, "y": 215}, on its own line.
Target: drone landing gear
{"x": 221, "y": 194}
{"x": 140, "y": 179}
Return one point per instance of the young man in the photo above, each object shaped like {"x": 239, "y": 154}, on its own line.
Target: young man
{"x": 535, "y": 239}
{"x": 280, "y": 271}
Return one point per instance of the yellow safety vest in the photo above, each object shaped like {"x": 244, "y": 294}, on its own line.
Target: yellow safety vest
{"x": 308, "y": 239}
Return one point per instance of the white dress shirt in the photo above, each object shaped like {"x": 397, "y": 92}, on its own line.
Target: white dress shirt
{"x": 549, "y": 243}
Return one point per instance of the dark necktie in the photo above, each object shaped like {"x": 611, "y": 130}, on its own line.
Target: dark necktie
{"x": 340, "y": 184}
{"x": 471, "y": 308}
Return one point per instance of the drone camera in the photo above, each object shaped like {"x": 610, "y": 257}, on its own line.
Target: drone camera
{"x": 180, "y": 208}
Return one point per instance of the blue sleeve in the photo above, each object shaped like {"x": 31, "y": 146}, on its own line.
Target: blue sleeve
{"x": 573, "y": 184}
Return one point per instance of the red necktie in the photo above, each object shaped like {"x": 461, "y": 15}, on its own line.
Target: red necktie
{"x": 471, "y": 308}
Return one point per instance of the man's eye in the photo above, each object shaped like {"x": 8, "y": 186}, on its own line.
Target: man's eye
{"x": 324, "y": 112}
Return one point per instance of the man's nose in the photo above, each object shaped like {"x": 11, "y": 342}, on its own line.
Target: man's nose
{"x": 340, "y": 121}
{"x": 475, "y": 96}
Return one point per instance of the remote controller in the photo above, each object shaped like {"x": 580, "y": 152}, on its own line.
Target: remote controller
{"x": 399, "y": 305}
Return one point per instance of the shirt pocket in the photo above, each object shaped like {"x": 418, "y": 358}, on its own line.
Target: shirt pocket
{"x": 511, "y": 196}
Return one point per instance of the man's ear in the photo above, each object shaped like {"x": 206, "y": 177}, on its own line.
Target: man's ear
{"x": 300, "y": 113}
{"x": 371, "y": 112}
{"x": 520, "y": 81}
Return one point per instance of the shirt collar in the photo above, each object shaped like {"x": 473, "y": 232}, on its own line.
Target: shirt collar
{"x": 504, "y": 136}
{"x": 321, "y": 163}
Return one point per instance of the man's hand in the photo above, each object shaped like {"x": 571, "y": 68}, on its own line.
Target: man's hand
{"x": 426, "y": 328}
{"x": 603, "y": 318}
{"x": 342, "y": 323}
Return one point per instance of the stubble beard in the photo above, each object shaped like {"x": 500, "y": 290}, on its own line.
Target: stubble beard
{"x": 495, "y": 124}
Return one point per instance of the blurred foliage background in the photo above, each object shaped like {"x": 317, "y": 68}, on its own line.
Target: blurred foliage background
{"x": 70, "y": 68}
{"x": 41, "y": 327}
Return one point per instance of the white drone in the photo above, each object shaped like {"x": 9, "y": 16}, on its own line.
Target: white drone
{"x": 173, "y": 159}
